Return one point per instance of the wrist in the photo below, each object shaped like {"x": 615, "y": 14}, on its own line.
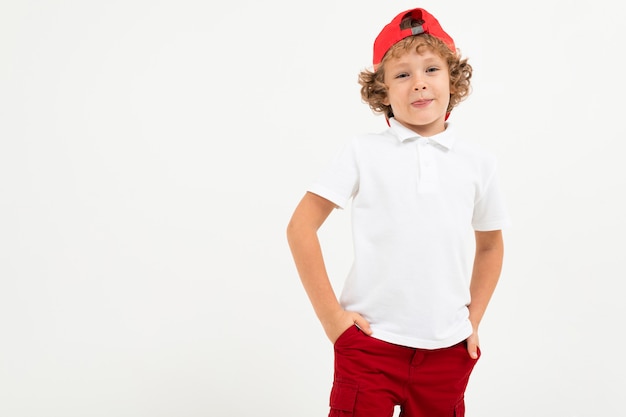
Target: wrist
{"x": 329, "y": 315}
{"x": 475, "y": 323}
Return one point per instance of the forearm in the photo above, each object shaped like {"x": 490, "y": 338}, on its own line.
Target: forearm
{"x": 307, "y": 254}
{"x": 485, "y": 274}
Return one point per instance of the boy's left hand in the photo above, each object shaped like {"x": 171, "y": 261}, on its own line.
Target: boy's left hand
{"x": 472, "y": 345}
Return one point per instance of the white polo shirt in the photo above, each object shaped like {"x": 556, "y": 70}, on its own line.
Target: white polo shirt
{"x": 415, "y": 203}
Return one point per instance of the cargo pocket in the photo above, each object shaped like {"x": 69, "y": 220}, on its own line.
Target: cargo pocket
{"x": 342, "y": 399}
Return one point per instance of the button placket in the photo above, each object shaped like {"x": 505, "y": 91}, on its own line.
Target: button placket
{"x": 428, "y": 177}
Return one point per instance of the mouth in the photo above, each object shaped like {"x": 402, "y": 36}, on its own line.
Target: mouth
{"x": 421, "y": 103}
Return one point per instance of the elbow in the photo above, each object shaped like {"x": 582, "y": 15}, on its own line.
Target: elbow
{"x": 290, "y": 229}
{"x": 298, "y": 230}
{"x": 294, "y": 229}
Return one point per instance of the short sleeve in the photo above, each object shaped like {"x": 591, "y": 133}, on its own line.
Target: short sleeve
{"x": 338, "y": 181}
{"x": 489, "y": 209}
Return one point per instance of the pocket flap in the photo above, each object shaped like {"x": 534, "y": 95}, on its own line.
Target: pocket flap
{"x": 343, "y": 396}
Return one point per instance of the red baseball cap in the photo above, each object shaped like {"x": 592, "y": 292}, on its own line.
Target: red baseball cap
{"x": 395, "y": 31}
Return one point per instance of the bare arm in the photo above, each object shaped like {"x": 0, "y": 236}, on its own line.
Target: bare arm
{"x": 305, "y": 247}
{"x": 485, "y": 276}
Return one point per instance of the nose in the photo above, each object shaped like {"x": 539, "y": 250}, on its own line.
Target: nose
{"x": 419, "y": 85}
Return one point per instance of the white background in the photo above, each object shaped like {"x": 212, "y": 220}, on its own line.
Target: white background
{"x": 152, "y": 152}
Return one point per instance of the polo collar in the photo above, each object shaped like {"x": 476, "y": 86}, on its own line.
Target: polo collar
{"x": 444, "y": 139}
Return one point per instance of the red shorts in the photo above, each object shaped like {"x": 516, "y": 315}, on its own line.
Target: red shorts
{"x": 372, "y": 377}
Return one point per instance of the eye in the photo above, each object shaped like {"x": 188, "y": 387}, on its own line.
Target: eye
{"x": 402, "y": 75}
{"x": 432, "y": 69}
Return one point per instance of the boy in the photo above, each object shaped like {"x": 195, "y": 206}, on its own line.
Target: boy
{"x": 405, "y": 331}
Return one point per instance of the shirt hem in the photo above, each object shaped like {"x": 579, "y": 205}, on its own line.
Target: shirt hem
{"x": 418, "y": 343}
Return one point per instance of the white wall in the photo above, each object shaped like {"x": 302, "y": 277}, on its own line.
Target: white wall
{"x": 151, "y": 153}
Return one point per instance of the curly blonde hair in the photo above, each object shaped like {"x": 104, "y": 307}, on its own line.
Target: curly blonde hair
{"x": 374, "y": 90}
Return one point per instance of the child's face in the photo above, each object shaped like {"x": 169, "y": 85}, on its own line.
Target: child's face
{"x": 418, "y": 91}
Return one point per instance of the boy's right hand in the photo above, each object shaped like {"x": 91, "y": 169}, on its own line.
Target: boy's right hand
{"x": 340, "y": 322}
